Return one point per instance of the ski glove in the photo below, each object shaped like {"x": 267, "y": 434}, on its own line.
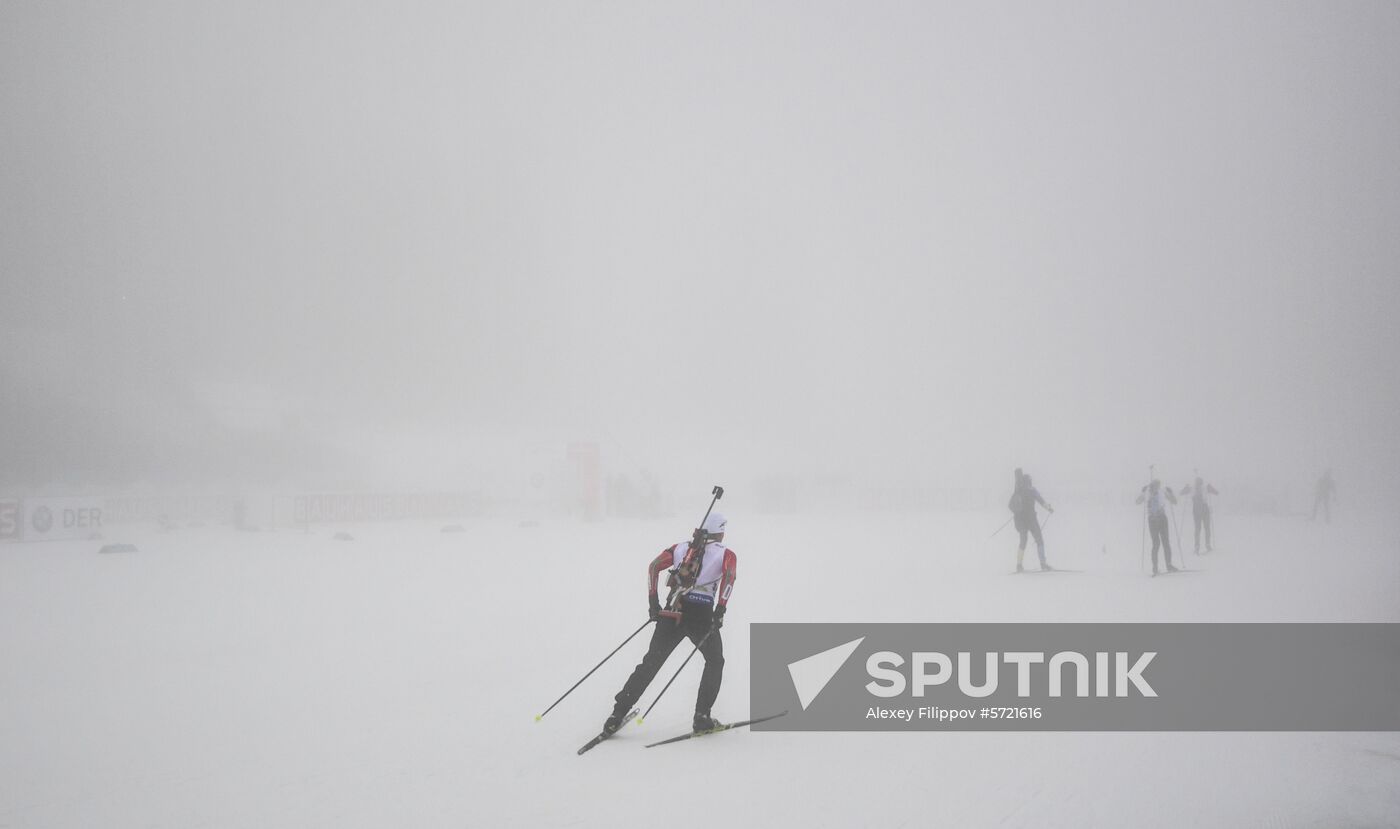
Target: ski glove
{"x": 653, "y": 608}
{"x": 717, "y": 620}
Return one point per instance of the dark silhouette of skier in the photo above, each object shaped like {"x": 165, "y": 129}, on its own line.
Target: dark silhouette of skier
{"x": 1322, "y": 496}
{"x": 1200, "y": 509}
{"x": 1157, "y": 497}
{"x": 1022, "y": 505}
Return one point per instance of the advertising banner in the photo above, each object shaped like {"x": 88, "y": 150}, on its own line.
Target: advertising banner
{"x": 11, "y": 518}
{"x": 352, "y": 507}
{"x": 54, "y": 519}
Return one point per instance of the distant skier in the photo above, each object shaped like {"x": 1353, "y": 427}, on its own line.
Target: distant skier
{"x": 1022, "y": 505}
{"x": 701, "y": 606}
{"x": 1200, "y": 509}
{"x": 1157, "y": 497}
{"x": 1322, "y": 496}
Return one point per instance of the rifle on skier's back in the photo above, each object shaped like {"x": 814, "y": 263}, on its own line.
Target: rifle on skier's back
{"x": 683, "y": 575}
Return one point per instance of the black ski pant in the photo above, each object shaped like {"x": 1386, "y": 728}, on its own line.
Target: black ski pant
{"x": 694, "y": 625}
{"x": 1157, "y": 526}
{"x": 1202, "y": 519}
{"x": 1029, "y": 525}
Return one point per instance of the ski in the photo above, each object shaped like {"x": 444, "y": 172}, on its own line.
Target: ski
{"x": 1178, "y": 572}
{"x": 603, "y": 735}
{"x": 1033, "y": 572}
{"x": 717, "y": 730}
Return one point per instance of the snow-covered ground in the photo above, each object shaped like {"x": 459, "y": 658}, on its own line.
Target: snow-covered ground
{"x": 287, "y": 679}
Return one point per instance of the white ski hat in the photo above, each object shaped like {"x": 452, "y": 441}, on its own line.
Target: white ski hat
{"x": 715, "y": 524}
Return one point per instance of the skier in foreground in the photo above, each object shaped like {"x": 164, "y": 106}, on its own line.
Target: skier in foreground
{"x": 1022, "y": 504}
{"x": 701, "y": 581}
{"x": 1200, "y": 509}
{"x": 1157, "y": 497}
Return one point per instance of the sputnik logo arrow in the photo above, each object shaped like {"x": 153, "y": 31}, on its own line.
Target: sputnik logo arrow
{"x": 810, "y": 675}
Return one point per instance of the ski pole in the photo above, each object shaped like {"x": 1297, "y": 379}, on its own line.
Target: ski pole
{"x": 1180, "y": 548}
{"x": 674, "y": 676}
{"x": 595, "y": 667}
{"x": 999, "y": 529}
{"x": 1142, "y": 559}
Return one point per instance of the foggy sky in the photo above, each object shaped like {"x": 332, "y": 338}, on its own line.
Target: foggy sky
{"x": 902, "y": 240}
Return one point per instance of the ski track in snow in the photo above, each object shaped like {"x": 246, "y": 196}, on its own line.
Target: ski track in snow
{"x": 286, "y": 679}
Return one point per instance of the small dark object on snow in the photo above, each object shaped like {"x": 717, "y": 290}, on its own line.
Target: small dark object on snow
{"x": 118, "y": 548}
{"x": 454, "y": 528}
{"x": 344, "y": 537}
{"x": 529, "y": 524}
